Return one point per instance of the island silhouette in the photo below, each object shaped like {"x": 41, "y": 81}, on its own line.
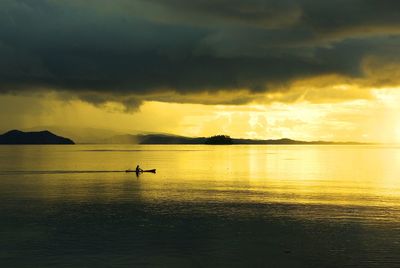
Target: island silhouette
{"x": 213, "y": 140}
{"x": 47, "y": 137}
{"x": 38, "y": 137}
{"x": 219, "y": 139}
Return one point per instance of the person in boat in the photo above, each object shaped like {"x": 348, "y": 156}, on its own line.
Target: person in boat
{"x": 138, "y": 169}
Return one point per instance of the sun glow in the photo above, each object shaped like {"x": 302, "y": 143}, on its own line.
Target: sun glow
{"x": 372, "y": 119}
{"x": 388, "y": 100}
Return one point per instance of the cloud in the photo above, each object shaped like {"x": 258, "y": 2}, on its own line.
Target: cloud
{"x": 177, "y": 50}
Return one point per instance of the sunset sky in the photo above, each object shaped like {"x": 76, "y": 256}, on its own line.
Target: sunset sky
{"x": 305, "y": 69}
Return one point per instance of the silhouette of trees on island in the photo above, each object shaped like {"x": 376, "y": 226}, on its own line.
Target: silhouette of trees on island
{"x": 219, "y": 139}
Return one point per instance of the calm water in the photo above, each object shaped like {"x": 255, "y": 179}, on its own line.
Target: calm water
{"x": 207, "y": 206}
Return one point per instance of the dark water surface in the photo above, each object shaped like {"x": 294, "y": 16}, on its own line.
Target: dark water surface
{"x": 207, "y": 206}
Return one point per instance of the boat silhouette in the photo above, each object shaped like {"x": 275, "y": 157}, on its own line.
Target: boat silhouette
{"x": 141, "y": 171}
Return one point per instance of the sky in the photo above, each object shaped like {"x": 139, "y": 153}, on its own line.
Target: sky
{"x": 305, "y": 69}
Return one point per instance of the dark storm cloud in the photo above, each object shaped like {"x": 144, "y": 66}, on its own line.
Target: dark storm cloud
{"x": 128, "y": 51}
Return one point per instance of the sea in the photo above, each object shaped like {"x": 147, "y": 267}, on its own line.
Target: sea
{"x": 206, "y": 206}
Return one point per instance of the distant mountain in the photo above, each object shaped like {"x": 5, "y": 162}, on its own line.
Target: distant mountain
{"x": 214, "y": 140}
{"x": 152, "y": 139}
{"x": 40, "y": 137}
{"x": 167, "y": 139}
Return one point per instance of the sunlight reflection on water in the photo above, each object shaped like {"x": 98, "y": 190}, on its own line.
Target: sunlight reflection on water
{"x": 328, "y": 206}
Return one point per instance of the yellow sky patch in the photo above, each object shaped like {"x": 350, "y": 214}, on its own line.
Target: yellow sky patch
{"x": 373, "y": 119}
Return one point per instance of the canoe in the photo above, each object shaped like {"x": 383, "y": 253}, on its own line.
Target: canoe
{"x": 148, "y": 170}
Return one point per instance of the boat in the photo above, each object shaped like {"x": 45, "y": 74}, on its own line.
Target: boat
{"x": 141, "y": 171}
